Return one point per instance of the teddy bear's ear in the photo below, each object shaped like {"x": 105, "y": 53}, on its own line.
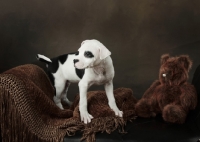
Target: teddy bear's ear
{"x": 164, "y": 58}
{"x": 186, "y": 61}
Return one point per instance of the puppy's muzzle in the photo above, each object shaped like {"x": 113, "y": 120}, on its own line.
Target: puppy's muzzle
{"x": 75, "y": 61}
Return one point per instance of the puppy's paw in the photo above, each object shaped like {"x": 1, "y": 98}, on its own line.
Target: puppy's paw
{"x": 68, "y": 102}
{"x": 60, "y": 106}
{"x": 58, "y": 102}
{"x": 114, "y": 107}
{"x": 118, "y": 113}
{"x": 86, "y": 117}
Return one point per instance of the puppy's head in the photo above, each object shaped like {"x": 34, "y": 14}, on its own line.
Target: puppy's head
{"x": 90, "y": 54}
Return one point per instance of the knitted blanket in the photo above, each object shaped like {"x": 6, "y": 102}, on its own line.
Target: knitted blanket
{"x": 28, "y": 113}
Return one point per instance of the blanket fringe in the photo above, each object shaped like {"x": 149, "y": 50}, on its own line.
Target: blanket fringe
{"x": 102, "y": 124}
{"x": 72, "y": 126}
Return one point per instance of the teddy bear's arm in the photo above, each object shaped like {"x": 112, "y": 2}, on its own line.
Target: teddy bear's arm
{"x": 188, "y": 97}
{"x": 148, "y": 93}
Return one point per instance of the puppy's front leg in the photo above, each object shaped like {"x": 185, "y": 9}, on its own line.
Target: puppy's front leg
{"x": 111, "y": 99}
{"x": 85, "y": 116}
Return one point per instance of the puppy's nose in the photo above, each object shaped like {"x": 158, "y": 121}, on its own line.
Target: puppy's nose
{"x": 75, "y": 61}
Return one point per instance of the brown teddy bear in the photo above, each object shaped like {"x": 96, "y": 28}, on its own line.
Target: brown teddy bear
{"x": 171, "y": 95}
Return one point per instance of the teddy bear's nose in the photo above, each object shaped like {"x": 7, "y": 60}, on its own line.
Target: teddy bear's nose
{"x": 164, "y": 75}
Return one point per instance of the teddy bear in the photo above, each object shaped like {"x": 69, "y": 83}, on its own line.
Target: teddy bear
{"x": 171, "y": 95}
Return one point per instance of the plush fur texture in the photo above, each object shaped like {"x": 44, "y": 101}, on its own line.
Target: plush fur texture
{"x": 171, "y": 95}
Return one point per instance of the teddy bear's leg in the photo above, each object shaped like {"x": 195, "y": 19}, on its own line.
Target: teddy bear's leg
{"x": 174, "y": 114}
{"x": 143, "y": 108}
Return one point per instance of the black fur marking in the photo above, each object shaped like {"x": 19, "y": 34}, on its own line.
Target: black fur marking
{"x": 53, "y": 67}
{"x": 77, "y": 53}
{"x": 52, "y": 79}
{"x": 88, "y": 54}
{"x": 62, "y": 58}
{"x": 80, "y": 72}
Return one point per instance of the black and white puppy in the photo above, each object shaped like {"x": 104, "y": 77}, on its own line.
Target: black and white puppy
{"x": 92, "y": 64}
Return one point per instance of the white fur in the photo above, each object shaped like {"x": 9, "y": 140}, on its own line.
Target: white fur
{"x": 44, "y": 57}
{"x": 99, "y": 70}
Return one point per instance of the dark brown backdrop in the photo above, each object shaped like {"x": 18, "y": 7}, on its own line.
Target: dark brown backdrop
{"x": 137, "y": 32}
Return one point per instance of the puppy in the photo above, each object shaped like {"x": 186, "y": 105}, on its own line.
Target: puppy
{"x": 92, "y": 64}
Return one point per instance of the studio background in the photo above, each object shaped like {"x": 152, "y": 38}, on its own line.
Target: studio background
{"x": 137, "y": 32}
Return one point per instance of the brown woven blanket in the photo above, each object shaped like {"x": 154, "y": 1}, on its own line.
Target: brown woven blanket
{"x": 28, "y": 113}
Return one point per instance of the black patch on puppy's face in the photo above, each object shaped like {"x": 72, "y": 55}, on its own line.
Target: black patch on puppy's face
{"x": 88, "y": 54}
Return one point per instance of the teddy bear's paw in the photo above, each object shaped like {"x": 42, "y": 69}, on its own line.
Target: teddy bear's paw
{"x": 143, "y": 109}
{"x": 174, "y": 114}
{"x": 153, "y": 114}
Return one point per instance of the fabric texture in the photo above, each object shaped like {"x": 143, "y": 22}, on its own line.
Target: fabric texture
{"x": 28, "y": 113}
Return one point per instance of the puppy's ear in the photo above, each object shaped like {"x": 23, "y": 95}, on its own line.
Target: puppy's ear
{"x": 186, "y": 61}
{"x": 104, "y": 52}
{"x": 164, "y": 58}
{"x": 83, "y": 42}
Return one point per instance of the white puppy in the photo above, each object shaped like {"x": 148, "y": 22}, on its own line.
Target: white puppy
{"x": 92, "y": 64}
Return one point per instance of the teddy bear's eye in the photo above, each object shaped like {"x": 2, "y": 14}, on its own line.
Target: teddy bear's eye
{"x": 88, "y": 54}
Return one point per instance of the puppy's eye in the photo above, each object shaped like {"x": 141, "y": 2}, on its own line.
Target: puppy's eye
{"x": 88, "y": 54}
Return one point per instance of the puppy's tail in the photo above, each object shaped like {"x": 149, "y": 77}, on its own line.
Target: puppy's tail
{"x": 43, "y": 58}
